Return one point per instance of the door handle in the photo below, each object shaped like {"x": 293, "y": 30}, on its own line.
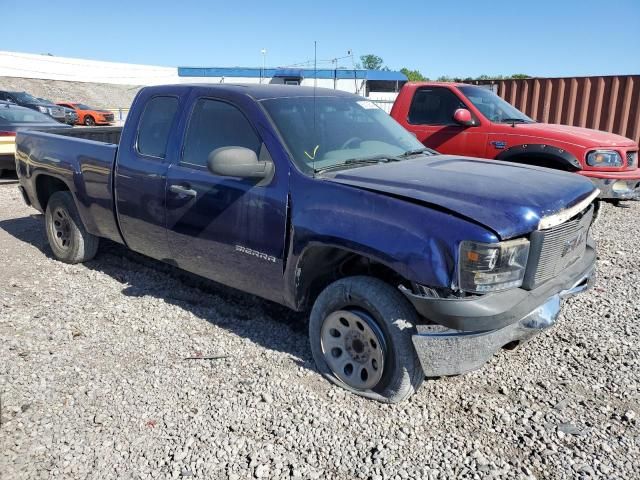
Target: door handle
{"x": 180, "y": 190}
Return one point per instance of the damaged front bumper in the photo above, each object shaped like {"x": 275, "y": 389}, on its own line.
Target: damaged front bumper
{"x": 617, "y": 186}
{"x": 467, "y": 333}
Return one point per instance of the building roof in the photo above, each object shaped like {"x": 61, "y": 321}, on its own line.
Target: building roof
{"x": 253, "y": 72}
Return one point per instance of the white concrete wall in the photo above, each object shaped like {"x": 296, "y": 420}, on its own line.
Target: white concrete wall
{"x": 27, "y": 65}
{"x": 384, "y": 100}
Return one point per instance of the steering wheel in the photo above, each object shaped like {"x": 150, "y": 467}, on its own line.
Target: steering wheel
{"x": 346, "y": 144}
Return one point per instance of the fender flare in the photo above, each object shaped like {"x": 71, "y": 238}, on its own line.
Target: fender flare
{"x": 565, "y": 159}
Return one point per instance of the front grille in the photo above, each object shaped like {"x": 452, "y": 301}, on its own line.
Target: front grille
{"x": 108, "y": 116}
{"x": 553, "y": 250}
{"x": 632, "y": 159}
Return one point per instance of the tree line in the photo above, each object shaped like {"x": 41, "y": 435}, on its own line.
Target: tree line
{"x": 374, "y": 62}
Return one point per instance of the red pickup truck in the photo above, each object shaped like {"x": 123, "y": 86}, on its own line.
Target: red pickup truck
{"x": 462, "y": 119}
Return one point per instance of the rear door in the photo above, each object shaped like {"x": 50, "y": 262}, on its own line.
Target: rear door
{"x": 431, "y": 119}
{"x": 225, "y": 228}
{"x": 143, "y": 159}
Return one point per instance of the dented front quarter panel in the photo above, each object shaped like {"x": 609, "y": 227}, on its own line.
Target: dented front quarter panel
{"x": 417, "y": 242}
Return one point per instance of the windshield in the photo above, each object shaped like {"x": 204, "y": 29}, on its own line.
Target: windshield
{"x": 346, "y": 129}
{"x": 82, "y": 106}
{"x": 493, "y": 107}
{"x": 24, "y": 97}
{"x": 22, "y": 115}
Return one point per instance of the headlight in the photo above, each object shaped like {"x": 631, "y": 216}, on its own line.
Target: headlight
{"x": 43, "y": 109}
{"x": 490, "y": 267}
{"x": 604, "y": 158}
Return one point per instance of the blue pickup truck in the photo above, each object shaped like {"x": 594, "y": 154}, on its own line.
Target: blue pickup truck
{"x": 410, "y": 263}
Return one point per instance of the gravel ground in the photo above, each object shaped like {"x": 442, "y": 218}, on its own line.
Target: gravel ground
{"x": 96, "y": 380}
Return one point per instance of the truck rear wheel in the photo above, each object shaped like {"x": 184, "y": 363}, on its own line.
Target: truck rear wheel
{"x": 69, "y": 240}
{"x": 360, "y": 332}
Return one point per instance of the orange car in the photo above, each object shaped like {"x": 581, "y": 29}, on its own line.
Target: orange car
{"x": 89, "y": 116}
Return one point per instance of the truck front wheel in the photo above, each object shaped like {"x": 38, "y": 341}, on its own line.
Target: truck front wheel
{"x": 69, "y": 240}
{"x": 360, "y": 332}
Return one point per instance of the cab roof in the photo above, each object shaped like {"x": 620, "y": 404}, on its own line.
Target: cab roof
{"x": 261, "y": 92}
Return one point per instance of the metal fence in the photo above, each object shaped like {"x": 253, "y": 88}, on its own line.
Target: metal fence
{"x": 119, "y": 115}
{"x": 610, "y": 103}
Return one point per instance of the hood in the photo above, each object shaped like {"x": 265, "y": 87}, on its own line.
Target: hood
{"x": 583, "y": 137}
{"x": 507, "y": 198}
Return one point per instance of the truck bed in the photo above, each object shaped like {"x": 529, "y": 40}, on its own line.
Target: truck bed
{"x": 96, "y": 134}
{"x": 83, "y": 159}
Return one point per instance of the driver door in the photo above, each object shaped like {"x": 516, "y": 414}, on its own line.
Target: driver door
{"x": 228, "y": 229}
{"x": 431, "y": 118}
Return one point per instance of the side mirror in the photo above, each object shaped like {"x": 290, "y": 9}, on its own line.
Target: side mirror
{"x": 463, "y": 117}
{"x": 239, "y": 162}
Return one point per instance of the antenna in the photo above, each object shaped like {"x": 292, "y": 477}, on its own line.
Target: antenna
{"x": 315, "y": 85}
{"x": 353, "y": 66}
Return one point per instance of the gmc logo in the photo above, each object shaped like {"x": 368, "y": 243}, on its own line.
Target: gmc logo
{"x": 571, "y": 244}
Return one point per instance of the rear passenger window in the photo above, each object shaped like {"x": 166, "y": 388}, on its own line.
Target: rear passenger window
{"x": 155, "y": 125}
{"x": 434, "y": 106}
{"x": 216, "y": 124}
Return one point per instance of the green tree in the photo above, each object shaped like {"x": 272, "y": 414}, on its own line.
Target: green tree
{"x": 413, "y": 75}
{"x": 443, "y": 78}
{"x": 372, "y": 62}
{"x": 519, "y": 76}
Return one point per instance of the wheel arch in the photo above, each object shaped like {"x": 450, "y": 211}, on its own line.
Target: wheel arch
{"x": 46, "y": 185}
{"x": 318, "y": 265}
{"x": 541, "y": 155}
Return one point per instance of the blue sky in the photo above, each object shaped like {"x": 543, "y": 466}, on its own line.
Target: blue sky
{"x": 462, "y": 38}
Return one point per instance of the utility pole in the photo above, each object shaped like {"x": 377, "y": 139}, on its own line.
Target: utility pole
{"x": 264, "y": 64}
{"x": 335, "y": 72}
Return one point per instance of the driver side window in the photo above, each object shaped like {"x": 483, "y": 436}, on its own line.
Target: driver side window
{"x": 434, "y": 106}
{"x": 216, "y": 124}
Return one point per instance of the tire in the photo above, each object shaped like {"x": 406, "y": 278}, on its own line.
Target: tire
{"x": 89, "y": 121}
{"x": 374, "y": 311}
{"x": 68, "y": 239}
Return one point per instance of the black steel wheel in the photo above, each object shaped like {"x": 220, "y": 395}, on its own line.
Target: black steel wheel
{"x": 68, "y": 239}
